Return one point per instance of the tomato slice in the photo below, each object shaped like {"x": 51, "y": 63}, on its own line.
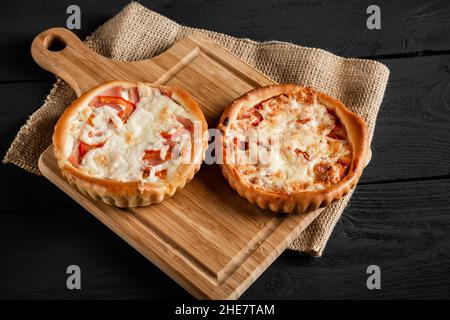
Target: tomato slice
{"x": 169, "y": 142}
{"x": 259, "y": 106}
{"x": 115, "y": 102}
{"x": 153, "y": 157}
{"x": 254, "y": 115}
{"x": 112, "y": 92}
{"x": 162, "y": 174}
{"x": 152, "y": 154}
{"x": 166, "y": 135}
{"x": 146, "y": 172}
{"x": 90, "y": 119}
{"x": 125, "y": 108}
{"x": 73, "y": 159}
{"x": 166, "y": 92}
{"x": 172, "y": 145}
{"x": 155, "y": 162}
{"x": 257, "y": 117}
{"x": 187, "y": 123}
{"x": 127, "y": 111}
{"x": 97, "y": 134}
{"x": 133, "y": 95}
{"x": 84, "y": 148}
{"x": 179, "y": 132}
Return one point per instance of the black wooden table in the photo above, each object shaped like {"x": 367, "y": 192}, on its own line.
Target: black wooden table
{"x": 398, "y": 218}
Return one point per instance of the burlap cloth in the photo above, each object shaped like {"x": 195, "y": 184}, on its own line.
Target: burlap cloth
{"x": 138, "y": 33}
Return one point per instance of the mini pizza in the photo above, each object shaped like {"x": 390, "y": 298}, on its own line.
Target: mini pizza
{"x": 291, "y": 149}
{"x": 129, "y": 143}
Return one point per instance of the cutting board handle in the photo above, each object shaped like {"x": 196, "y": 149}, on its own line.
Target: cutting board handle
{"x": 61, "y": 52}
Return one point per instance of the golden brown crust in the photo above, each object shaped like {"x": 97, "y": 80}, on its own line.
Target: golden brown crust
{"x": 133, "y": 193}
{"x": 303, "y": 201}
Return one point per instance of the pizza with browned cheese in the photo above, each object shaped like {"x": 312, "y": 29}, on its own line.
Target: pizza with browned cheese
{"x": 291, "y": 149}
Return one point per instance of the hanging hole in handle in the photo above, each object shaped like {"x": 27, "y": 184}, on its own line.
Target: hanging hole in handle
{"x": 54, "y": 43}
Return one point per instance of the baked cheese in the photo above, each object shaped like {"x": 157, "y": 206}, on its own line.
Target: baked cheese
{"x": 131, "y": 134}
{"x": 288, "y": 143}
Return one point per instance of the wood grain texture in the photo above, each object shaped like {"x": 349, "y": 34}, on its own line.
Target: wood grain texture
{"x": 338, "y": 26}
{"x": 392, "y": 224}
{"x": 412, "y": 135}
{"x": 206, "y": 237}
{"x": 401, "y": 227}
{"x": 405, "y": 237}
{"x": 61, "y": 237}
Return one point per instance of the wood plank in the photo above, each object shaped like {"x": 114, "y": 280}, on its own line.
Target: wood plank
{"x": 22, "y": 20}
{"x": 213, "y": 251}
{"x": 402, "y": 227}
{"x": 338, "y": 26}
{"x": 13, "y": 113}
{"x": 412, "y": 135}
{"x": 37, "y": 246}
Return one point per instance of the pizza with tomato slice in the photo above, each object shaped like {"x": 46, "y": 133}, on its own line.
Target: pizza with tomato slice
{"x": 131, "y": 143}
{"x": 291, "y": 149}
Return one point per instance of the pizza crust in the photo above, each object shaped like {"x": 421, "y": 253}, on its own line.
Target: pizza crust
{"x": 302, "y": 201}
{"x": 128, "y": 193}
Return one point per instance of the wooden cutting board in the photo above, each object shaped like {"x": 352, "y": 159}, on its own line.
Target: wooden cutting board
{"x": 206, "y": 237}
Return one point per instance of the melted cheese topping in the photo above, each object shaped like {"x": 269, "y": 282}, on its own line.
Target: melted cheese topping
{"x": 104, "y": 144}
{"x": 288, "y": 144}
